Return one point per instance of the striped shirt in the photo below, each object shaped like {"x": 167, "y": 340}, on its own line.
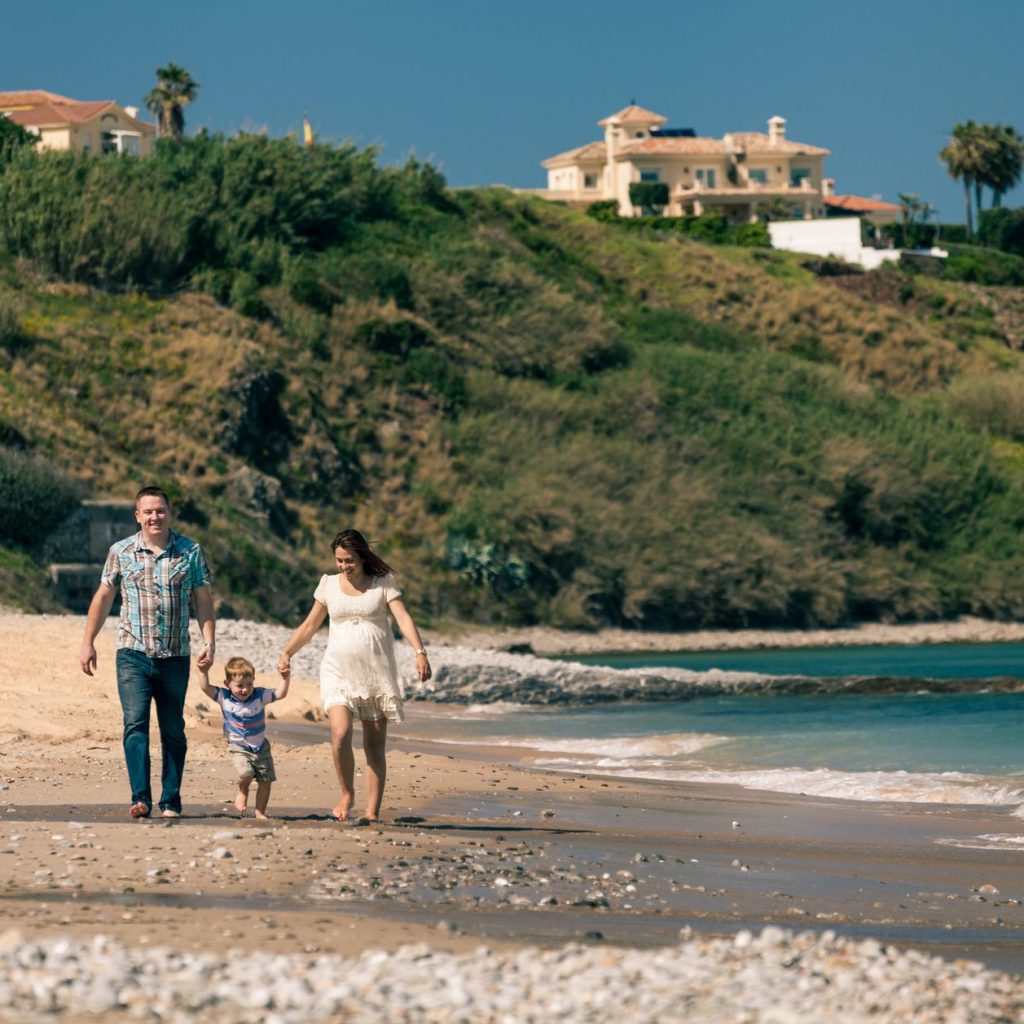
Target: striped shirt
{"x": 245, "y": 721}
{"x": 155, "y": 592}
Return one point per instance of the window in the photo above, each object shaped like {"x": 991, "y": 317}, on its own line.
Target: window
{"x": 798, "y": 175}
{"x": 109, "y": 143}
{"x": 590, "y": 180}
{"x": 650, "y": 175}
{"x": 759, "y": 174}
{"x": 707, "y": 176}
{"x": 798, "y": 212}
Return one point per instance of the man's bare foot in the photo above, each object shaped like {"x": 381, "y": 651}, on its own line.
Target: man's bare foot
{"x": 241, "y": 802}
{"x": 342, "y": 809}
{"x": 139, "y": 810}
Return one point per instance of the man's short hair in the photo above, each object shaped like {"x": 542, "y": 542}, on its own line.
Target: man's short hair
{"x": 152, "y": 492}
{"x": 239, "y": 667}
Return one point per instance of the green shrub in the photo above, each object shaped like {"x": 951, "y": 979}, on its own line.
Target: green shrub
{"x": 648, "y": 195}
{"x": 35, "y": 497}
{"x": 1002, "y": 228}
{"x": 434, "y": 369}
{"x": 604, "y": 210}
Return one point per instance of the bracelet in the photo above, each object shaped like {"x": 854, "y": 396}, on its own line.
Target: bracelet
{"x": 285, "y": 654}
{"x": 420, "y": 650}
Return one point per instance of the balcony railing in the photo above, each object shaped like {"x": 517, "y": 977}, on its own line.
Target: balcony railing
{"x": 751, "y": 188}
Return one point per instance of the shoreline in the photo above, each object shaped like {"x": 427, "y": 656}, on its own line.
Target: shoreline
{"x": 545, "y": 641}
{"x": 608, "y": 875}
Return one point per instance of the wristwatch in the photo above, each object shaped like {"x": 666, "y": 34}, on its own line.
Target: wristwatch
{"x": 420, "y": 650}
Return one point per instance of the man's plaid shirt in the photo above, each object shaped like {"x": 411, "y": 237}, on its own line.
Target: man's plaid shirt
{"x": 155, "y": 592}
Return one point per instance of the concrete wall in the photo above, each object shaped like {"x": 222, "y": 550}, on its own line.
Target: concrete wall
{"x": 831, "y": 236}
{"x": 78, "y": 548}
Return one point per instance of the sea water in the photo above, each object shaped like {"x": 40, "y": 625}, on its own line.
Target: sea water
{"x": 920, "y": 746}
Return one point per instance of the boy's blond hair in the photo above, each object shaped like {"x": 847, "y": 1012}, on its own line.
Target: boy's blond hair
{"x": 238, "y": 667}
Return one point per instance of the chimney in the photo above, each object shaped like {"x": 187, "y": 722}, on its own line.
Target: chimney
{"x": 776, "y": 129}
{"x": 132, "y": 112}
{"x": 828, "y": 186}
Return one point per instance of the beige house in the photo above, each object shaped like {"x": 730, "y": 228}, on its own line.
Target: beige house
{"x": 740, "y": 175}
{"x": 61, "y": 123}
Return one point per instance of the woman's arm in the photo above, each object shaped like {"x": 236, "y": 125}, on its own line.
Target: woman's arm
{"x": 301, "y": 637}
{"x": 408, "y": 629}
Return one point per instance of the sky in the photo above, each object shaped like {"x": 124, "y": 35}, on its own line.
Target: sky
{"x": 488, "y": 89}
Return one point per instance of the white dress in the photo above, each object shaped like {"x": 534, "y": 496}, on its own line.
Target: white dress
{"x": 358, "y": 670}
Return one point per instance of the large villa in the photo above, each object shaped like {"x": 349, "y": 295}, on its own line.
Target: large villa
{"x": 100, "y": 126}
{"x": 741, "y": 175}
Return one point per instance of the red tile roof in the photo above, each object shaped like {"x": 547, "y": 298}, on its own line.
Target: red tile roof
{"x": 37, "y": 107}
{"x": 858, "y": 204}
{"x": 30, "y": 97}
{"x": 758, "y": 142}
{"x": 633, "y": 115}
{"x": 593, "y": 151}
{"x": 698, "y": 146}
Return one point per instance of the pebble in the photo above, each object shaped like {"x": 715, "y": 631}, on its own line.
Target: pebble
{"x": 776, "y": 976}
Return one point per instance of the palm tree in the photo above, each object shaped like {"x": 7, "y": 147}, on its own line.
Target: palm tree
{"x": 175, "y": 89}
{"x": 964, "y": 158}
{"x": 1004, "y": 159}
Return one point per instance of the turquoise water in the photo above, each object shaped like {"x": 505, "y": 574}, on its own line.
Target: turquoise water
{"x": 949, "y": 747}
{"x": 936, "y": 661}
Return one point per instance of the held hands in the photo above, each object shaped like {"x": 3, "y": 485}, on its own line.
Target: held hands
{"x": 284, "y": 665}
{"x": 205, "y": 659}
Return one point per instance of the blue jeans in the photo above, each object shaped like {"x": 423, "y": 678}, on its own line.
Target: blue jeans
{"x": 141, "y": 680}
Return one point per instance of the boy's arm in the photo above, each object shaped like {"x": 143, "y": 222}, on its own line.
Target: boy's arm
{"x": 286, "y": 681}
{"x": 204, "y": 682}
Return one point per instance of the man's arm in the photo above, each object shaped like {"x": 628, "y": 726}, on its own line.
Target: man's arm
{"x": 207, "y": 624}
{"x": 99, "y": 609}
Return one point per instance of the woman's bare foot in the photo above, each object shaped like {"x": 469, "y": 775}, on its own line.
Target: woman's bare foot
{"x": 342, "y": 809}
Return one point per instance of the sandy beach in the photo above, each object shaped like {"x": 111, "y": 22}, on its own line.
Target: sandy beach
{"x": 476, "y": 848}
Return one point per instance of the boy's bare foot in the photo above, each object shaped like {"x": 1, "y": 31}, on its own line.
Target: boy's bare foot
{"x": 260, "y": 816}
{"x": 139, "y": 810}
{"x": 241, "y": 802}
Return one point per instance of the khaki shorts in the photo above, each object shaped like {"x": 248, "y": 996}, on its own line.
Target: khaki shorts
{"x": 257, "y": 763}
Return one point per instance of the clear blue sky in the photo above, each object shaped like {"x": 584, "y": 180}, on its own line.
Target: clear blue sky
{"x": 488, "y": 89}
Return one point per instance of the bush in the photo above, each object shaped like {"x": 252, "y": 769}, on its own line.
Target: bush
{"x": 648, "y": 195}
{"x": 242, "y": 204}
{"x": 35, "y": 497}
{"x": 604, "y": 210}
{"x": 978, "y": 265}
{"x": 1003, "y": 229}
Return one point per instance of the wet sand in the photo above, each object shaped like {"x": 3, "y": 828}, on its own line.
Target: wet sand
{"x": 475, "y": 846}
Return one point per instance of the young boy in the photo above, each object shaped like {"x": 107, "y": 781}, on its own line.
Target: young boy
{"x": 243, "y": 704}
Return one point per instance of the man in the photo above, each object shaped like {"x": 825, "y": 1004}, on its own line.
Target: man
{"x": 157, "y": 571}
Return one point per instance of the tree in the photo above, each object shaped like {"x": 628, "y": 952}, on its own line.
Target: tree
{"x": 649, "y": 196}
{"x": 915, "y": 214}
{"x": 964, "y": 158}
{"x": 175, "y": 89}
{"x": 1004, "y": 159}
{"x": 13, "y": 138}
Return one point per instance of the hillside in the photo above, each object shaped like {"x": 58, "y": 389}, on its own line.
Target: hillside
{"x": 536, "y": 416}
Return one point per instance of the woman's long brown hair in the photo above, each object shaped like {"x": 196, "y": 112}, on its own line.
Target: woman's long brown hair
{"x": 356, "y": 544}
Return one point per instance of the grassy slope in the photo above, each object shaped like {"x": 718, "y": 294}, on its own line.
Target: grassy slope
{"x": 648, "y": 431}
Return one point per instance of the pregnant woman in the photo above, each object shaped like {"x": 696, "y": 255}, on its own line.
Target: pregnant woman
{"x": 358, "y": 677}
